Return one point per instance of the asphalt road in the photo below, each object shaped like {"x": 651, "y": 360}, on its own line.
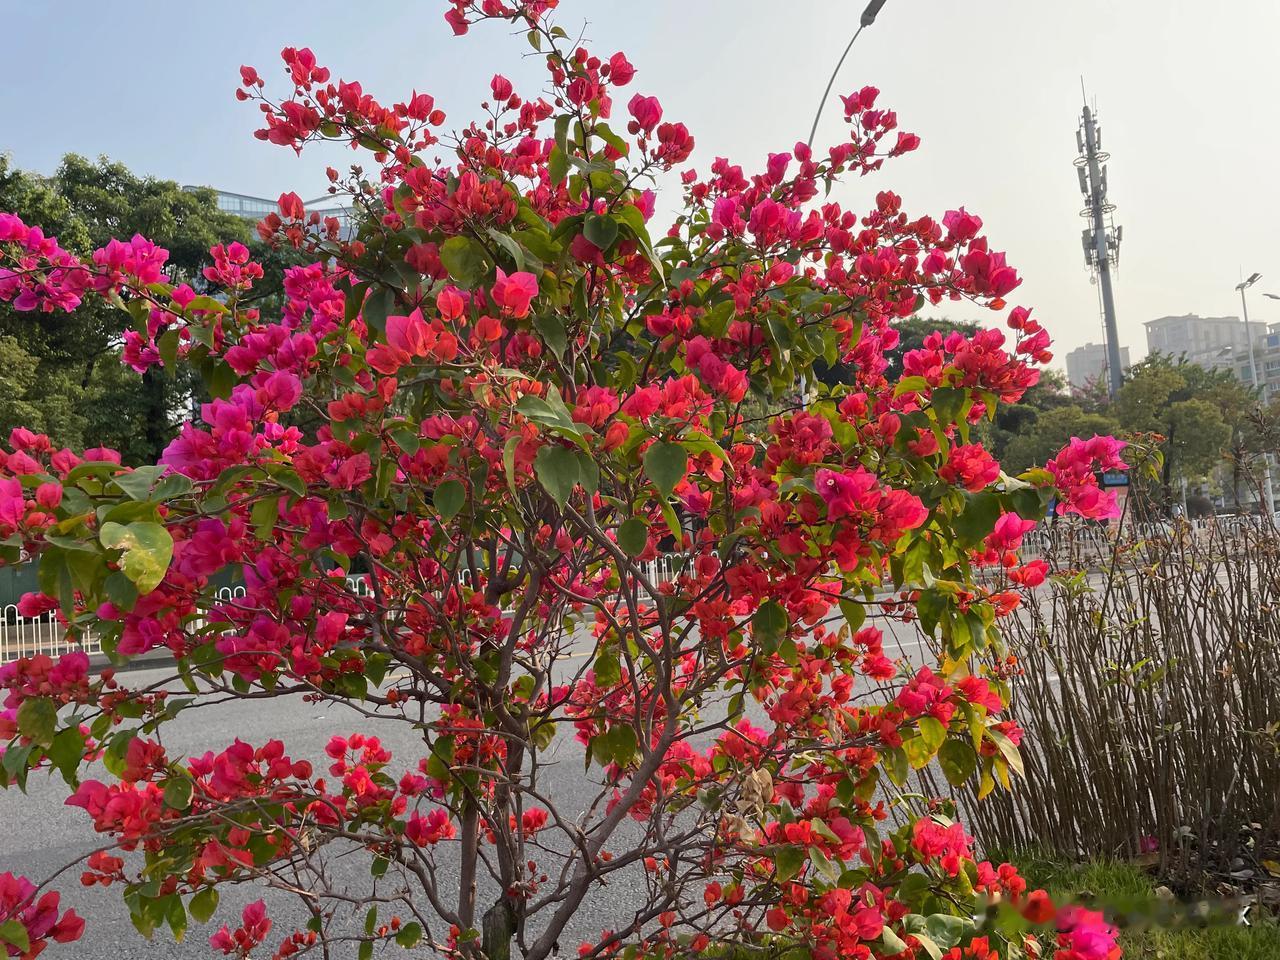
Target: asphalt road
{"x": 42, "y": 836}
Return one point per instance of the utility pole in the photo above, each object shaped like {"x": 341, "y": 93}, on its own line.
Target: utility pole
{"x": 1100, "y": 239}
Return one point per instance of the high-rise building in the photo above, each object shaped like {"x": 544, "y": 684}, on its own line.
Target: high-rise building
{"x": 1266, "y": 354}
{"x": 1088, "y": 364}
{"x": 1206, "y": 341}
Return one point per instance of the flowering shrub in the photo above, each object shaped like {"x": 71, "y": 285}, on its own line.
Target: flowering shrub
{"x": 497, "y": 402}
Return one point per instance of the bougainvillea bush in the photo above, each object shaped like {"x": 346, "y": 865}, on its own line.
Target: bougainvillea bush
{"x": 443, "y": 476}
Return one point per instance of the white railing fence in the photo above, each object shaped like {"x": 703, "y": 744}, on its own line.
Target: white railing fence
{"x": 30, "y": 636}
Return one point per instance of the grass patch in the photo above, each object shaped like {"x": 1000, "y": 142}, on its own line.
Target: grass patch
{"x": 1128, "y": 894}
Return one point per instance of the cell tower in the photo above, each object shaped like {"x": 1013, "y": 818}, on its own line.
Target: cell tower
{"x": 1101, "y": 239}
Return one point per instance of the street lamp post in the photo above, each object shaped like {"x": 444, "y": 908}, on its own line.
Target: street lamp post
{"x": 1242, "y": 286}
{"x": 868, "y": 18}
{"x": 869, "y": 14}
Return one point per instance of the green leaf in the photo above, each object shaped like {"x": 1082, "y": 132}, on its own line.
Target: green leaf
{"x": 14, "y": 933}
{"x": 406, "y": 438}
{"x": 147, "y": 547}
{"x": 465, "y": 259}
{"x": 665, "y": 464}
{"x": 1008, "y": 751}
{"x": 606, "y": 134}
{"x": 176, "y": 914}
{"x": 509, "y": 460}
{"x": 945, "y": 930}
{"x": 410, "y": 935}
{"x": 120, "y": 590}
{"x": 557, "y": 166}
{"x": 539, "y": 243}
{"x": 203, "y": 904}
{"x": 607, "y": 669}
{"x": 824, "y": 865}
{"x": 933, "y": 731}
{"x": 948, "y": 402}
{"x": 621, "y": 743}
{"x": 509, "y": 245}
{"x": 769, "y": 624}
{"x": 177, "y": 792}
{"x": 855, "y": 613}
{"x": 923, "y": 747}
{"x": 37, "y": 720}
{"x": 894, "y": 761}
{"x": 562, "y": 131}
{"x": 929, "y": 945}
{"x": 67, "y": 752}
{"x": 673, "y": 522}
{"x": 633, "y": 536}
{"x": 167, "y": 346}
{"x": 1028, "y": 503}
{"x": 376, "y": 308}
{"x": 588, "y": 472}
{"x": 552, "y": 412}
{"x": 601, "y": 229}
{"x": 219, "y": 378}
{"x": 958, "y": 761}
{"x": 893, "y": 944}
{"x": 264, "y": 515}
{"x": 137, "y": 484}
{"x": 171, "y": 486}
{"x": 289, "y": 479}
{"x": 557, "y": 470}
{"x": 978, "y": 518}
{"x": 787, "y": 862}
{"x": 910, "y": 385}
{"x": 553, "y": 333}
{"x": 449, "y": 498}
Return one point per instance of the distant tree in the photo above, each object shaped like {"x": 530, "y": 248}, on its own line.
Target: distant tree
{"x": 911, "y": 331}
{"x": 79, "y": 393}
{"x": 1020, "y": 419}
{"x": 1048, "y": 431}
{"x": 1094, "y": 396}
{"x": 51, "y": 404}
{"x": 1198, "y": 411}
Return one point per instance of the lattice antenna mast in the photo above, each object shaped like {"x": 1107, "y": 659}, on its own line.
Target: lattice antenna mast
{"x": 1101, "y": 238}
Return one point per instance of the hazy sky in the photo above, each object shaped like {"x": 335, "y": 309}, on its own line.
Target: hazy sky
{"x": 1187, "y": 98}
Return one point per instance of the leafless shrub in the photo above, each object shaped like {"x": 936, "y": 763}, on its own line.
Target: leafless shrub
{"x": 1150, "y": 695}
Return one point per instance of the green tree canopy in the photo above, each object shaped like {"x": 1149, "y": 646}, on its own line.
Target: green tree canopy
{"x": 1199, "y": 411}
{"x": 1049, "y": 432}
{"x": 1021, "y": 419}
{"x": 78, "y": 392}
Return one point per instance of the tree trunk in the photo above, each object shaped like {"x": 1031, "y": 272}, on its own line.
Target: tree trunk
{"x": 497, "y": 929}
{"x": 156, "y": 429}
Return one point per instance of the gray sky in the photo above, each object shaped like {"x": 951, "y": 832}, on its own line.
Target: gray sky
{"x": 1187, "y": 100}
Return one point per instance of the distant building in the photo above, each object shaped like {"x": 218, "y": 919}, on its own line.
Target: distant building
{"x": 1208, "y": 342}
{"x": 1088, "y": 364}
{"x": 1266, "y": 354}
{"x": 255, "y": 208}
{"x": 1221, "y": 343}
